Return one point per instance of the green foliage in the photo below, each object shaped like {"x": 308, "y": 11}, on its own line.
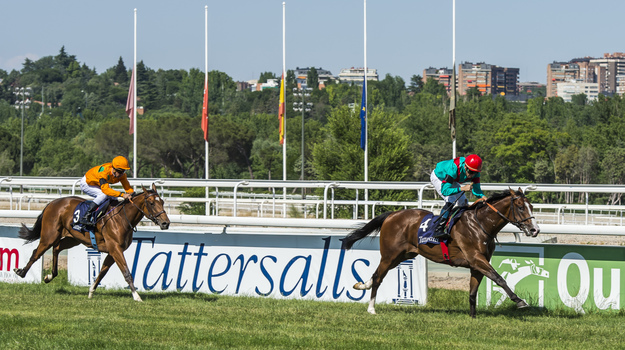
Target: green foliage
{"x": 543, "y": 140}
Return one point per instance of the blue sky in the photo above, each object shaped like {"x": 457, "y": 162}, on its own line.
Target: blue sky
{"x": 245, "y": 36}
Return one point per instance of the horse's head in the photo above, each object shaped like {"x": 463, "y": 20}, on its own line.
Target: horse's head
{"x": 521, "y": 213}
{"x": 153, "y": 208}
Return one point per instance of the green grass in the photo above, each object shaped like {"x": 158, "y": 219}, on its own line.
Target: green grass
{"x": 60, "y": 316}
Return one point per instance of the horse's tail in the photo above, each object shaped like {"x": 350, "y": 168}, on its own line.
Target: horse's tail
{"x": 372, "y": 226}
{"x": 34, "y": 234}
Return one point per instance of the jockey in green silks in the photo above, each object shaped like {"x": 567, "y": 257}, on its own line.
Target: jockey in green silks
{"x": 447, "y": 178}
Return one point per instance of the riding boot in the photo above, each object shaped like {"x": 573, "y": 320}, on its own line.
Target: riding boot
{"x": 439, "y": 231}
{"x": 87, "y": 218}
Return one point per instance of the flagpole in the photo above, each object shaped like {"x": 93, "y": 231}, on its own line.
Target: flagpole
{"x": 366, "y": 119}
{"x": 206, "y": 172}
{"x": 454, "y": 78}
{"x": 134, "y": 109}
{"x": 284, "y": 96}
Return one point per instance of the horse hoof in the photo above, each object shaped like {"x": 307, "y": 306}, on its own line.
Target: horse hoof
{"x": 371, "y": 311}
{"x": 48, "y": 278}
{"x": 19, "y": 272}
{"x": 359, "y": 286}
{"x": 522, "y": 304}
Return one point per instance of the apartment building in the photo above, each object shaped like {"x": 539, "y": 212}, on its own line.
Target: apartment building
{"x": 566, "y": 90}
{"x": 608, "y": 72}
{"x": 357, "y": 75}
{"x": 301, "y": 77}
{"x": 441, "y": 75}
{"x": 488, "y": 79}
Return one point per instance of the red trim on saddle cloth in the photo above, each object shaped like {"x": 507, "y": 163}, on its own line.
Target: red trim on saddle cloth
{"x": 445, "y": 251}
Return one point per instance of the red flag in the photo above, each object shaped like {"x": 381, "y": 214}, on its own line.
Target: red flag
{"x": 281, "y": 109}
{"x": 130, "y": 104}
{"x": 205, "y": 110}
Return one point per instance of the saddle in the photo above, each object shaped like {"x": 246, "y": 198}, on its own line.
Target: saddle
{"x": 429, "y": 222}
{"x": 99, "y": 213}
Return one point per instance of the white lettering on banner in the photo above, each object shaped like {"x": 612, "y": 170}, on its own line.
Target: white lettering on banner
{"x": 613, "y": 300}
{"x": 567, "y": 299}
{"x": 577, "y": 302}
{"x": 312, "y": 270}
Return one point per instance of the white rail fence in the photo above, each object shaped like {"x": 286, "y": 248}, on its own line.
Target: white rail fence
{"x": 231, "y": 202}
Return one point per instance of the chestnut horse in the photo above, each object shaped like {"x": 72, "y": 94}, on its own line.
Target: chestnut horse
{"x": 472, "y": 240}
{"x": 113, "y": 232}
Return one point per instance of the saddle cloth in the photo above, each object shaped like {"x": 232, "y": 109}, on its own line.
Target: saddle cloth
{"x": 82, "y": 208}
{"x": 428, "y": 225}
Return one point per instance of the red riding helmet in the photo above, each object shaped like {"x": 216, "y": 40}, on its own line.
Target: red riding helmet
{"x": 473, "y": 163}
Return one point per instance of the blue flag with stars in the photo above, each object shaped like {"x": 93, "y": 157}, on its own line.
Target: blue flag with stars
{"x": 363, "y": 117}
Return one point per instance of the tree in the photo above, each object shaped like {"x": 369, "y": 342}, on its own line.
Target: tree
{"x": 265, "y": 76}
{"x": 434, "y": 87}
{"x": 339, "y": 156}
{"x": 416, "y": 84}
{"x": 121, "y": 73}
{"x": 579, "y": 100}
{"x": 517, "y": 143}
{"x": 312, "y": 79}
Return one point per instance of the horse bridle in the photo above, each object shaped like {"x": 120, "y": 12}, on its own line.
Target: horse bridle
{"x": 152, "y": 218}
{"x": 514, "y": 214}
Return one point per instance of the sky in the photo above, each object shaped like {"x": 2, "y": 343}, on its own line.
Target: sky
{"x": 404, "y": 37}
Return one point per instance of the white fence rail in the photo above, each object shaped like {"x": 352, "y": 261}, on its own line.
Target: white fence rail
{"x": 227, "y": 200}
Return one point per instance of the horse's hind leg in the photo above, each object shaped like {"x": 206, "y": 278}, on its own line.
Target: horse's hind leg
{"x": 65, "y": 243}
{"x": 385, "y": 265}
{"x": 106, "y": 265}
{"x": 476, "y": 279}
{"x": 45, "y": 243}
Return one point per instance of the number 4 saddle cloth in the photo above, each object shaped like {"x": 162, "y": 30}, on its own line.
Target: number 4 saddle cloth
{"x": 429, "y": 223}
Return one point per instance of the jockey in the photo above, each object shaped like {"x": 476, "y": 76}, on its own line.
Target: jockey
{"x": 447, "y": 178}
{"x": 97, "y": 181}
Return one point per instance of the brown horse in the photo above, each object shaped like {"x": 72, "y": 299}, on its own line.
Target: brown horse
{"x": 113, "y": 233}
{"x": 472, "y": 240}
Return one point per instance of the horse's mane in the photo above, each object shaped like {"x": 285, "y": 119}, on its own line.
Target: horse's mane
{"x": 494, "y": 198}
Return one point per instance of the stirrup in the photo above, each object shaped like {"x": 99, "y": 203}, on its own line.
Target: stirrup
{"x": 85, "y": 220}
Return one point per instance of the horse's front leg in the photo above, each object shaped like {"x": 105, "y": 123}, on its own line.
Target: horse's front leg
{"x": 117, "y": 253}
{"x": 484, "y": 267}
{"x": 106, "y": 265}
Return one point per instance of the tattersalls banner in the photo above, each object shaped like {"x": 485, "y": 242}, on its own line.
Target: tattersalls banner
{"x": 15, "y": 254}
{"x": 578, "y": 277}
{"x": 274, "y": 265}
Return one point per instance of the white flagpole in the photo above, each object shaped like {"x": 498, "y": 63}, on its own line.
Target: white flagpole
{"x": 284, "y": 115}
{"x": 134, "y": 109}
{"x": 366, "y": 120}
{"x": 206, "y": 173}
{"x": 454, "y": 63}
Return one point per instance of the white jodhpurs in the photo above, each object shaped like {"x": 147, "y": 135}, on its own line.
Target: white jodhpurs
{"x": 459, "y": 198}
{"x": 93, "y": 191}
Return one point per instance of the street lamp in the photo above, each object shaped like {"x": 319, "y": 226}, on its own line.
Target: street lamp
{"x": 303, "y": 107}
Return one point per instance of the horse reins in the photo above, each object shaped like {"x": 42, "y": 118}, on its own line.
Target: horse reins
{"x": 152, "y": 218}
{"x": 514, "y": 210}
